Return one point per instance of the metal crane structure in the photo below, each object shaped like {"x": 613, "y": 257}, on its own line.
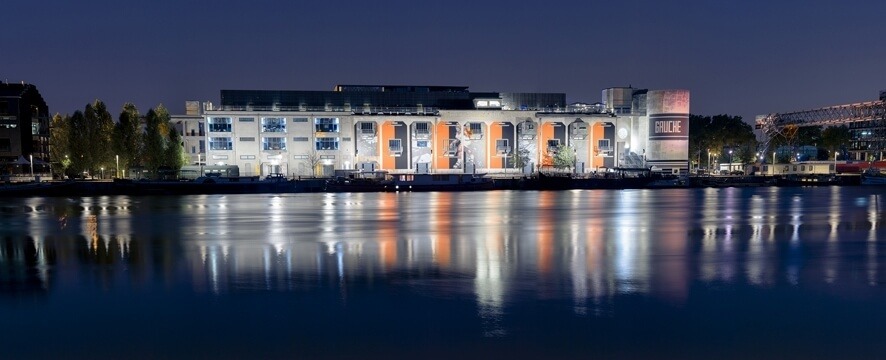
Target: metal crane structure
{"x": 866, "y": 122}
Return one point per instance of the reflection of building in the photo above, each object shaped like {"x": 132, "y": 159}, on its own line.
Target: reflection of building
{"x": 440, "y": 129}
{"x": 24, "y": 123}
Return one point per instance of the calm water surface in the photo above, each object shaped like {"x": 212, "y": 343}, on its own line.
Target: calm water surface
{"x": 683, "y": 273}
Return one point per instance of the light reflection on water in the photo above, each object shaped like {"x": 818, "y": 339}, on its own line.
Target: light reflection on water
{"x": 499, "y": 250}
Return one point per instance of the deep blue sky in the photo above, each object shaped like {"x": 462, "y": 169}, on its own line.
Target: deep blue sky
{"x": 737, "y": 57}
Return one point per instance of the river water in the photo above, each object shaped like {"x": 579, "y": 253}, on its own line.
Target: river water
{"x": 675, "y": 273}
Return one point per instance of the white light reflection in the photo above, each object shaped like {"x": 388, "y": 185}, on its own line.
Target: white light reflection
{"x": 489, "y": 285}
{"x": 873, "y": 212}
{"x": 756, "y": 255}
{"x": 793, "y": 268}
{"x": 631, "y": 254}
{"x": 831, "y": 257}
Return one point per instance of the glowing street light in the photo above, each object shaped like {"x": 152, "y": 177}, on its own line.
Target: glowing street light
{"x": 117, "y": 168}
{"x": 836, "y": 153}
{"x": 32, "y": 164}
{"x": 103, "y": 172}
{"x": 730, "y": 160}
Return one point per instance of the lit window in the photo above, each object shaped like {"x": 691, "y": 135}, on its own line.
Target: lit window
{"x": 273, "y": 124}
{"x": 326, "y": 124}
{"x": 326, "y": 143}
{"x": 220, "y": 124}
{"x": 274, "y": 143}
{"x": 220, "y": 143}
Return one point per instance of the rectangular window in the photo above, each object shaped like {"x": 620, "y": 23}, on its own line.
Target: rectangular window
{"x": 220, "y": 143}
{"x": 273, "y": 124}
{"x": 35, "y": 128}
{"x": 326, "y": 157}
{"x": 395, "y": 146}
{"x": 300, "y": 157}
{"x": 301, "y": 138}
{"x": 326, "y": 143}
{"x": 421, "y": 143}
{"x": 367, "y": 128}
{"x": 326, "y": 124}
{"x": 553, "y": 146}
{"x": 274, "y": 143}
{"x": 201, "y": 129}
{"x": 247, "y": 119}
{"x": 247, "y": 139}
{"x": 247, "y": 157}
{"x": 501, "y": 147}
{"x": 345, "y": 139}
{"x": 202, "y": 146}
{"x": 299, "y": 120}
{"x": 475, "y": 131}
{"x": 193, "y": 149}
{"x": 220, "y": 124}
{"x": 8, "y": 122}
{"x": 602, "y": 144}
{"x": 422, "y": 128}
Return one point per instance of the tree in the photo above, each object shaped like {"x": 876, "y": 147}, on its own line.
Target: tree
{"x": 719, "y": 134}
{"x": 59, "y": 135}
{"x": 155, "y": 139}
{"x": 100, "y": 125}
{"x": 312, "y": 157}
{"x": 78, "y": 143}
{"x": 127, "y": 137}
{"x": 519, "y": 158}
{"x": 174, "y": 154}
{"x": 834, "y": 138}
{"x": 564, "y": 157}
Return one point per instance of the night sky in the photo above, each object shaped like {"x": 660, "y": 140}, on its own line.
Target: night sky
{"x": 737, "y": 57}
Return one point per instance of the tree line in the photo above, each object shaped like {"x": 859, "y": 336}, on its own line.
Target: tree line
{"x": 90, "y": 140}
{"x": 719, "y": 134}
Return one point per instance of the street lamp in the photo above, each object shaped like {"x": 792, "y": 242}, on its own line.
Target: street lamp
{"x": 103, "y": 172}
{"x": 32, "y": 164}
{"x": 730, "y": 160}
{"x": 773, "y": 157}
{"x": 117, "y": 168}
{"x": 709, "y": 161}
{"x": 836, "y": 153}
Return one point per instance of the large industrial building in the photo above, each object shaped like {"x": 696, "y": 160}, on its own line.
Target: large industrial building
{"x": 24, "y": 123}
{"x": 437, "y": 129}
{"x": 866, "y": 122}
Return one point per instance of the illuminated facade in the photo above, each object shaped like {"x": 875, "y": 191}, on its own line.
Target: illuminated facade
{"x": 442, "y": 129}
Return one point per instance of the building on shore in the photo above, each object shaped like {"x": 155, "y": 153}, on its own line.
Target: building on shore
{"x": 24, "y": 124}
{"x": 438, "y": 129}
{"x": 191, "y": 126}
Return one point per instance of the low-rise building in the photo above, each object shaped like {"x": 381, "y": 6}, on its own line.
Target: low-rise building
{"x": 441, "y": 129}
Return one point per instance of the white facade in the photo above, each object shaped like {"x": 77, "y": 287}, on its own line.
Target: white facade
{"x": 315, "y": 143}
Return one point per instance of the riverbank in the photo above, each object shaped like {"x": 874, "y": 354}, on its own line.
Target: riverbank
{"x": 308, "y": 185}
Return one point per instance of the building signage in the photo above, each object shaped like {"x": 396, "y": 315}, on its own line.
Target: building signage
{"x": 668, "y": 126}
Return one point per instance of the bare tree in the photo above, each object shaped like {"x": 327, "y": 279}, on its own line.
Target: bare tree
{"x": 313, "y": 159}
